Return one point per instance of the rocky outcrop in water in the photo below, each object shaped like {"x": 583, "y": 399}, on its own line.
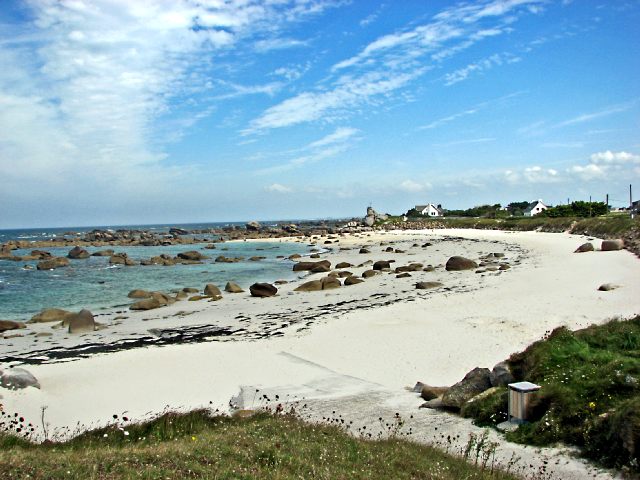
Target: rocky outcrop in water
{"x": 122, "y": 259}
{"x": 78, "y": 253}
{"x": 55, "y": 262}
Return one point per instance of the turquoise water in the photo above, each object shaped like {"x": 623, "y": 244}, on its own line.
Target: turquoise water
{"x": 94, "y": 284}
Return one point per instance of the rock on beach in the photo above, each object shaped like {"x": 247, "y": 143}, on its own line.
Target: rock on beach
{"x": 51, "y": 315}
{"x": 17, "y": 379}
{"x": 232, "y": 287}
{"x": 81, "y": 322}
{"x": 10, "y": 325}
{"x": 460, "y": 263}
{"x": 262, "y": 290}
{"x": 475, "y": 382}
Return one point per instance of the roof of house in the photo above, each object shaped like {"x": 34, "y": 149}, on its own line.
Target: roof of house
{"x": 533, "y": 205}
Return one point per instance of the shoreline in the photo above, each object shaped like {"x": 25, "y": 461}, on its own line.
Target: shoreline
{"x": 352, "y": 349}
{"x": 172, "y": 317}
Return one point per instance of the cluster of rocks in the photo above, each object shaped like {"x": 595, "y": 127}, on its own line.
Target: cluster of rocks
{"x": 605, "y": 246}
{"x": 49, "y": 262}
{"x": 374, "y": 217}
{"x": 477, "y": 384}
{"x": 149, "y": 300}
{"x": 80, "y": 322}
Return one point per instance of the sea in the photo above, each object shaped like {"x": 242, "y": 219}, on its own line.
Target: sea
{"x": 98, "y": 286}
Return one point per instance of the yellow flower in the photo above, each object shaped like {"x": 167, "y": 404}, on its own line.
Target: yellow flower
{"x": 193, "y": 438}
{"x": 592, "y": 405}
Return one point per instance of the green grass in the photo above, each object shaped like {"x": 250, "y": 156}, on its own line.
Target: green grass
{"x": 590, "y": 394}
{"x": 605, "y": 226}
{"x": 196, "y": 445}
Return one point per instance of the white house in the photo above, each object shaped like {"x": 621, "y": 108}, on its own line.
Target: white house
{"x": 430, "y": 210}
{"x": 534, "y": 208}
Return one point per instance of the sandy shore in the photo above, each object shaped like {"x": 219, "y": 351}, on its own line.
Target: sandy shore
{"x": 352, "y": 349}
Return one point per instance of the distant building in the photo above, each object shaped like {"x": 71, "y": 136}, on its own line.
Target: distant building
{"x": 430, "y": 210}
{"x": 534, "y": 208}
{"x": 635, "y": 206}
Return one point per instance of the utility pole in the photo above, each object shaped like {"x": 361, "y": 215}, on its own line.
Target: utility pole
{"x": 630, "y": 201}
{"x": 606, "y": 203}
{"x": 590, "y": 206}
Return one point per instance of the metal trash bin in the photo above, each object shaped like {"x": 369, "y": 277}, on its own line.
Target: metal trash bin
{"x": 520, "y": 395}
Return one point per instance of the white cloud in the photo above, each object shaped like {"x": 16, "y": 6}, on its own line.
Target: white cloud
{"x": 329, "y": 105}
{"x": 608, "y": 164}
{"x": 479, "y": 66}
{"x": 588, "y": 172}
{"x": 92, "y": 91}
{"x": 278, "y": 188}
{"x": 533, "y": 175}
{"x": 331, "y": 145}
{"x": 391, "y": 62}
{"x": 470, "y": 111}
{"x": 605, "y": 112}
{"x": 270, "y": 44}
{"x": 368, "y": 19}
{"x": 450, "y": 118}
{"x": 236, "y": 90}
{"x": 292, "y": 73}
{"x": 609, "y": 157}
{"x": 412, "y": 187}
{"x": 340, "y": 135}
{"x": 602, "y": 166}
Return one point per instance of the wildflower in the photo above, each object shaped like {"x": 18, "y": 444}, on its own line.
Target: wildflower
{"x": 193, "y": 439}
{"x": 592, "y": 405}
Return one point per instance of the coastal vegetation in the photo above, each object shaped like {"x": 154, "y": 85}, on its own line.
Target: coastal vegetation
{"x": 605, "y": 226}
{"x": 197, "y": 445}
{"x": 590, "y": 395}
{"x": 517, "y": 209}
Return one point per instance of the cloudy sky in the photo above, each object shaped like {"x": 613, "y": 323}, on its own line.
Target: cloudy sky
{"x": 167, "y": 111}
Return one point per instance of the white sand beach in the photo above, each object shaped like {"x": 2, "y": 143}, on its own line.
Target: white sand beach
{"x": 352, "y": 350}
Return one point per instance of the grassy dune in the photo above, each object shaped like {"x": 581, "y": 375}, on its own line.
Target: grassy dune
{"x": 196, "y": 445}
{"x": 590, "y": 394}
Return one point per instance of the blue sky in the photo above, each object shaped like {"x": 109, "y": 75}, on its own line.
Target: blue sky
{"x": 167, "y": 111}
